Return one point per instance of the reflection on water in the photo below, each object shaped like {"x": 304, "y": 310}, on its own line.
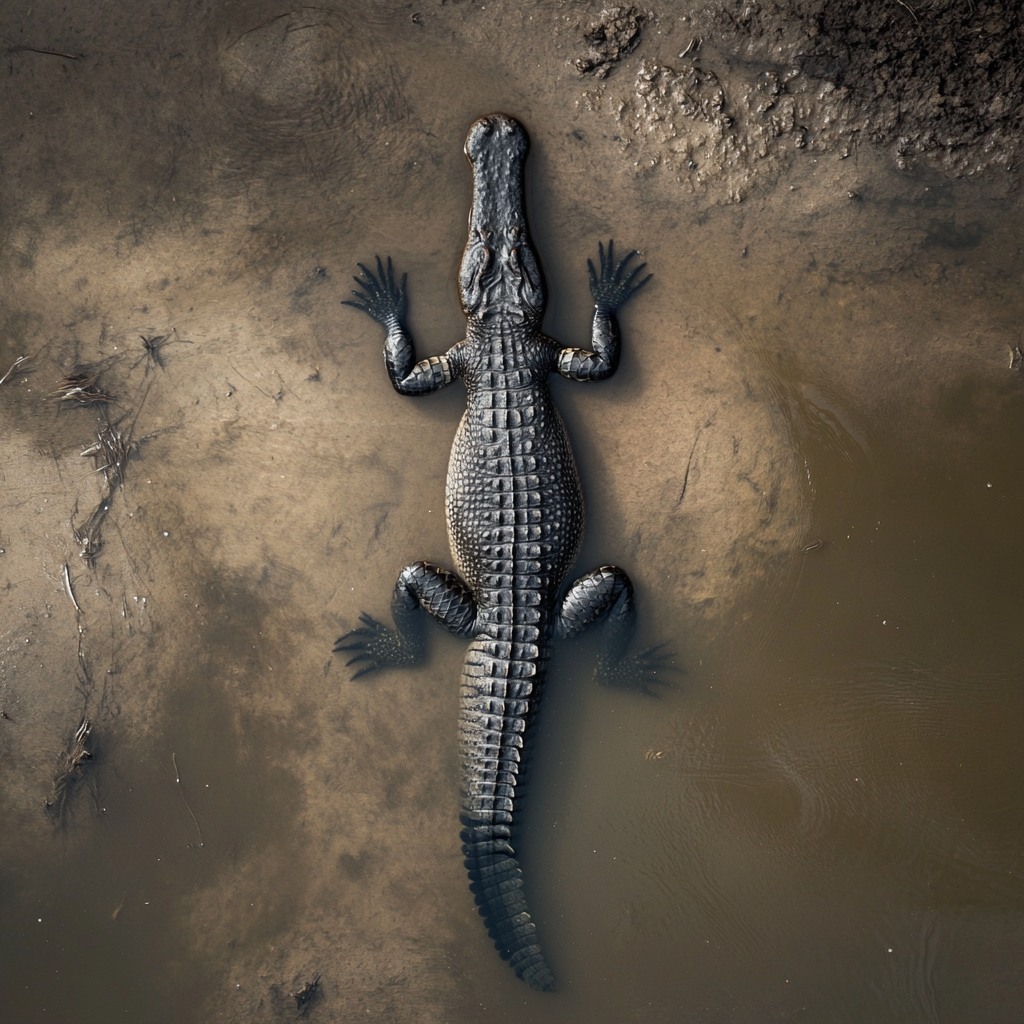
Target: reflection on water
{"x": 828, "y": 816}
{"x": 808, "y": 461}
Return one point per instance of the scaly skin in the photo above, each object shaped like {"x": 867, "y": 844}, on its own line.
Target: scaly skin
{"x": 515, "y": 517}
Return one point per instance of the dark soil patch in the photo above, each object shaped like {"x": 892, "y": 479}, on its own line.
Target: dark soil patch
{"x": 945, "y": 77}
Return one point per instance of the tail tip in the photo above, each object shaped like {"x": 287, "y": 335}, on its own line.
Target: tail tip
{"x": 540, "y": 978}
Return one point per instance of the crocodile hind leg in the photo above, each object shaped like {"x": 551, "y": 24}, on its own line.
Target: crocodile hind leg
{"x": 606, "y": 596}
{"x": 420, "y": 586}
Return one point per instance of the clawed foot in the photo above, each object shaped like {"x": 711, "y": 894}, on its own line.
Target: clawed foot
{"x": 614, "y": 285}
{"x": 380, "y": 298}
{"x": 379, "y": 646}
{"x": 637, "y": 671}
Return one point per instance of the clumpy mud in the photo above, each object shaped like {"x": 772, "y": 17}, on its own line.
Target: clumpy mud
{"x": 942, "y": 80}
{"x": 609, "y": 39}
{"x": 805, "y": 462}
{"x": 752, "y": 84}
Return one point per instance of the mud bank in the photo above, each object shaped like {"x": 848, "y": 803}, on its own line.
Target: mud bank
{"x": 754, "y": 87}
{"x": 821, "y": 366}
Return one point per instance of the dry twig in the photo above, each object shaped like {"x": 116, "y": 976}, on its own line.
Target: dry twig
{"x": 67, "y": 586}
{"x": 45, "y": 53}
{"x": 177, "y": 779}
{"x": 110, "y": 452}
{"x": 80, "y": 388}
{"x": 17, "y": 362}
{"x": 154, "y": 344}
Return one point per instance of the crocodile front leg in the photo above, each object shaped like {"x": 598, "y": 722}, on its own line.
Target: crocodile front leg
{"x": 613, "y": 287}
{"x": 606, "y": 595}
{"x": 420, "y": 586}
{"x": 385, "y": 302}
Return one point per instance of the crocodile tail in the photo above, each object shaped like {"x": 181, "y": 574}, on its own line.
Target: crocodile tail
{"x": 498, "y": 697}
{"x": 497, "y": 881}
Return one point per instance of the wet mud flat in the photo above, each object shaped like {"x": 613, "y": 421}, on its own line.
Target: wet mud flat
{"x": 808, "y": 462}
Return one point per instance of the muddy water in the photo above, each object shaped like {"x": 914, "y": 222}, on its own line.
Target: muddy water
{"x": 808, "y": 462}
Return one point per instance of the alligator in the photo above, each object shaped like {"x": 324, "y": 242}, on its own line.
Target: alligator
{"x": 515, "y": 518}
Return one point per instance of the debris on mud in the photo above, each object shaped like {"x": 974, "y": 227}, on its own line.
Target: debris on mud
{"x": 615, "y": 34}
{"x": 14, "y": 366}
{"x": 71, "y": 766}
{"x": 305, "y": 996}
{"x": 81, "y": 388}
{"x": 66, "y": 576}
{"x": 110, "y": 453}
{"x": 153, "y": 345}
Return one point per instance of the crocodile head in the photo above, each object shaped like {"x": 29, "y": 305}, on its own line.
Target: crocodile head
{"x": 499, "y": 275}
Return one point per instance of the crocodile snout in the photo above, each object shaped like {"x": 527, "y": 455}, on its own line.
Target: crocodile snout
{"x": 496, "y": 133}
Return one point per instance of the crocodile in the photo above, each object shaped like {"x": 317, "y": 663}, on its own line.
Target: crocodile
{"x": 515, "y": 518}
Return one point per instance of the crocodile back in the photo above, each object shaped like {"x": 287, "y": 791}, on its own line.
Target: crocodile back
{"x": 513, "y": 499}
{"x": 515, "y": 521}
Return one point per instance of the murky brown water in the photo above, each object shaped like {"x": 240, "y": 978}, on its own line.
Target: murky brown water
{"x": 809, "y": 462}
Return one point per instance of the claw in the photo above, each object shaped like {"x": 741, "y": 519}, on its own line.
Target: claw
{"x": 618, "y": 279}
{"x": 622, "y": 263}
{"x": 374, "y": 646}
{"x": 653, "y": 680}
{"x": 656, "y": 666}
{"x": 353, "y": 633}
{"x": 632, "y": 274}
{"x": 381, "y": 298}
{"x": 666, "y": 662}
{"x": 637, "y": 287}
{"x": 370, "y": 628}
{"x": 662, "y": 663}
{"x": 651, "y": 650}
